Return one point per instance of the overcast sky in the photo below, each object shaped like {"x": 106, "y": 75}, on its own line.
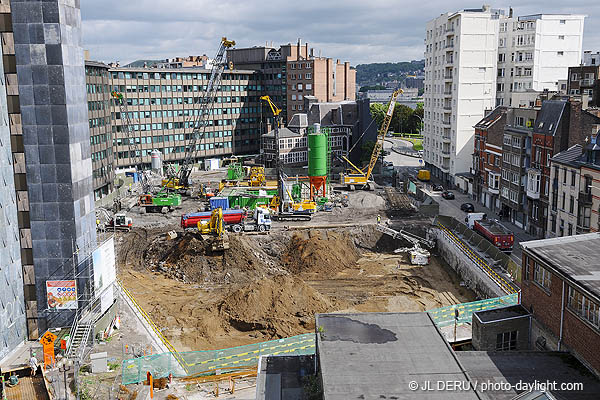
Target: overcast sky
{"x": 359, "y": 31}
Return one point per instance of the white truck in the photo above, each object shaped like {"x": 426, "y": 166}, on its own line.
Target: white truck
{"x": 261, "y": 222}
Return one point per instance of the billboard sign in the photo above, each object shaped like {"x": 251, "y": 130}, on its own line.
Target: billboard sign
{"x": 61, "y": 295}
{"x": 105, "y": 273}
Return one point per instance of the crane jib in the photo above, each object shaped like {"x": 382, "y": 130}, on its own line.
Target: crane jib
{"x": 390, "y": 110}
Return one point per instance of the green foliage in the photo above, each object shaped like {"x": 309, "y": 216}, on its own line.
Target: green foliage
{"x": 421, "y": 91}
{"x": 405, "y": 119}
{"x": 367, "y": 149}
{"x": 382, "y": 72}
{"x": 373, "y": 87}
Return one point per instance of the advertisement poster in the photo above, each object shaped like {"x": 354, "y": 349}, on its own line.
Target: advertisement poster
{"x": 105, "y": 273}
{"x": 62, "y": 295}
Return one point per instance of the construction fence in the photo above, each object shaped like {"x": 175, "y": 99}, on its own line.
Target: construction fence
{"x": 198, "y": 363}
{"x": 445, "y": 316}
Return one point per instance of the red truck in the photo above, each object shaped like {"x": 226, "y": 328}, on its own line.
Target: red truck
{"x": 229, "y": 217}
{"x": 496, "y": 233}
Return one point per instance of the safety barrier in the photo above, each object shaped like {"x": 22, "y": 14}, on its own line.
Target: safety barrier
{"x": 445, "y": 316}
{"x": 507, "y": 287}
{"x": 172, "y": 351}
{"x": 161, "y": 365}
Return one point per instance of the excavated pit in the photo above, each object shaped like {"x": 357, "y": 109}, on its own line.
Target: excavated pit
{"x": 270, "y": 286}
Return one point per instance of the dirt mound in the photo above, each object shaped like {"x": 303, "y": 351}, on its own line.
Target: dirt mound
{"x": 189, "y": 258}
{"x": 320, "y": 251}
{"x": 366, "y": 200}
{"x": 282, "y": 306}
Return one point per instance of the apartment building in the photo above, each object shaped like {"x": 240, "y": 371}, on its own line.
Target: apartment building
{"x": 516, "y": 151}
{"x": 559, "y": 291}
{"x": 460, "y": 76}
{"x": 97, "y": 82}
{"x": 478, "y": 58}
{"x": 292, "y": 71}
{"x": 584, "y": 81}
{"x": 534, "y": 53}
{"x": 162, "y": 106}
{"x": 47, "y": 117}
{"x": 487, "y": 158}
{"x": 574, "y": 192}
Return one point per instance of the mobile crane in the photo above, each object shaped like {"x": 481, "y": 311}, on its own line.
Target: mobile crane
{"x": 361, "y": 177}
{"x": 181, "y": 180}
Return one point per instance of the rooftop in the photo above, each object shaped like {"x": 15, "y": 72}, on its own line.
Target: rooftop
{"x": 549, "y": 117}
{"x": 497, "y": 314}
{"x": 569, "y": 156}
{"x": 283, "y": 133}
{"x": 576, "y": 257}
{"x": 376, "y": 355}
{"x": 528, "y": 367}
{"x": 491, "y": 118}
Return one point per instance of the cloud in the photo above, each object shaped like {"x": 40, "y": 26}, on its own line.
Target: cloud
{"x": 351, "y": 30}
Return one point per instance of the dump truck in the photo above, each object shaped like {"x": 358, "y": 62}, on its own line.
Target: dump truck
{"x": 229, "y": 217}
{"x": 495, "y": 232}
{"x": 160, "y": 202}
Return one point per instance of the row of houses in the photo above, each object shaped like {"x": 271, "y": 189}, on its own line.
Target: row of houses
{"x": 535, "y": 165}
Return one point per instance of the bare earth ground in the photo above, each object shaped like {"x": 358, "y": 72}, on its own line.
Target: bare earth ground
{"x": 270, "y": 286}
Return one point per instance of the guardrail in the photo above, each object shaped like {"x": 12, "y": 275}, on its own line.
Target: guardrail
{"x": 154, "y": 327}
{"x": 507, "y": 287}
{"x": 445, "y": 316}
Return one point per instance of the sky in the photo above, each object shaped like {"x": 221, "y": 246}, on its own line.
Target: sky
{"x": 358, "y": 31}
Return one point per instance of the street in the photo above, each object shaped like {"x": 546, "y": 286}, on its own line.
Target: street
{"x": 451, "y": 207}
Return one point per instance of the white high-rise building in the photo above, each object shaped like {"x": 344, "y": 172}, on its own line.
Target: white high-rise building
{"x": 476, "y": 59}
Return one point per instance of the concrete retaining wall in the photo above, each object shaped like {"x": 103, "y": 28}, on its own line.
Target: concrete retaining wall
{"x": 466, "y": 269}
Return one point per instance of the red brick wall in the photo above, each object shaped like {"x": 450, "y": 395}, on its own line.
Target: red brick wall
{"x": 578, "y": 336}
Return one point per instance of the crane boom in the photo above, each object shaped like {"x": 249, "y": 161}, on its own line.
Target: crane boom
{"x": 362, "y": 177}
{"x": 206, "y": 106}
{"x": 134, "y": 150}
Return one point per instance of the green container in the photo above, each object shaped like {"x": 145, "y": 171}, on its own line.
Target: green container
{"x": 317, "y": 155}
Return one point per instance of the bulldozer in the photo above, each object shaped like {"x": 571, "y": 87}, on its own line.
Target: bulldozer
{"x": 213, "y": 230}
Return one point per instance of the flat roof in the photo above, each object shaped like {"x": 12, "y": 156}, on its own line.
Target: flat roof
{"x": 377, "y": 355}
{"x": 527, "y": 367}
{"x": 577, "y": 257}
{"x": 501, "y": 313}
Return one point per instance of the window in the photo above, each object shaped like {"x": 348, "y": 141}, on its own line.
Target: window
{"x": 571, "y": 205}
{"x": 500, "y": 72}
{"x": 308, "y": 86}
{"x": 563, "y": 21}
{"x": 570, "y": 230}
{"x": 501, "y": 57}
{"x": 573, "y": 177}
{"x": 564, "y": 196}
{"x": 560, "y": 53}
{"x": 583, "y": 307}
{"x": 307, "y": 76}
{"x": 561, "y": 37}
{"x": 506, "y": 341}
{"x": 542, "y": 276}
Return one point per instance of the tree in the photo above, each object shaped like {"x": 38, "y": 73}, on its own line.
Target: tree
{"x": 378, "y": 113}
{"x": 366, "y": 150}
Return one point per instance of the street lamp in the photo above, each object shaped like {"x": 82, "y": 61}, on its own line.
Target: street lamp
{"x": 421, "y": 127}
{"x": 64, "y": 366}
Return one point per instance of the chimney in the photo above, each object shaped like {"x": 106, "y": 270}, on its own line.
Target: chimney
{"x": 584, "y": 101}
{"x": 510, "y": 12}
{"x": 298, "y": 49}
{"x": 486, "y": 7}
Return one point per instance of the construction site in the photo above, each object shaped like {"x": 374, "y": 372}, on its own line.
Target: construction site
{"x": 214, "y": 266}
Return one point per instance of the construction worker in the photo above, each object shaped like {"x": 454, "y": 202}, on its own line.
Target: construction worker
{"x": 33, "y": 364}
{"x": 378, "y": 218}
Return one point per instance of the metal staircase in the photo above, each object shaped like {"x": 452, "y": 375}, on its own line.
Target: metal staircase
{"x": 78, "y": 342}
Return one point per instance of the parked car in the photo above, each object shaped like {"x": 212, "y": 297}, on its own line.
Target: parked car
{"x": 467, "y": 207}
{"x": 438, "y": 188}
{"x": 448, "y": 195}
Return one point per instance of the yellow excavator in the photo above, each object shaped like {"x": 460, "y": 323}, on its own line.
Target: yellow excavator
{"x": 361, "y": 177}
{"x": 215, "y": 230}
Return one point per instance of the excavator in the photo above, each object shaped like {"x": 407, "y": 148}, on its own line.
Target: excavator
{"x": 361, "y": 177}
{"x": 418, "y": 254}
{"x": 214, "y": 230}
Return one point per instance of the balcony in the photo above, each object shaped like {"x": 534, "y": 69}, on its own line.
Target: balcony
{"x": 449, "y": 45}
{"x": 446, "y": 123}
{"x": 449, "y": 60}
{"x": 492, "y": 190}
{"x": 447, "y": 107}
{"x": 446, "y": 153}
{"x": 585, "y": 198}
{"x": 446, "y": 139}
{"x": 586, "y": 82}
{"x": 450, "y": 30}
{"x": 447, "y": 93}
{"x": 448, "y": 77}
{"x": 445, "y": 167}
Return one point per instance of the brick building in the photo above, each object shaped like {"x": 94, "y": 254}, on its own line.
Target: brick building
{"x": 584, "y": 81}
{"x": 292, "y": 71}
{"x": 561, "y": 290}
{"x": 487, "y": 158}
